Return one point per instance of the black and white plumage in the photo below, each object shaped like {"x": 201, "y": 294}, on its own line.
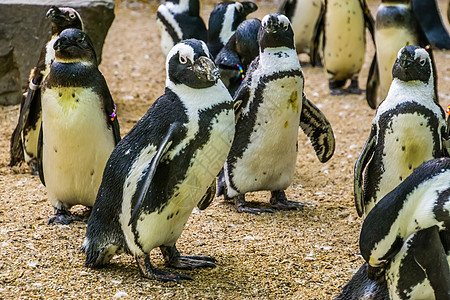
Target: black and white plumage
{"x": 24, "y": 139}
{"x": 79, "y": 126}
{"x": 224, "y": 20}
{"x": 343, "y": 25}
{"x": 427, "y": 12}
{"x": 304, "y": 15}
{"x": 179, "y": 20}
{"x": 164, "y": 167}
{"x": 409, "y": 128}
{"x": 273, "y": 106}
{"x": 235, "y": 57}
{"x": 396, "y": 26}
{"x": 406, "y": 236}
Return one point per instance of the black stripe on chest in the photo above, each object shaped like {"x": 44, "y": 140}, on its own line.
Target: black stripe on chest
{"x": 168, "y": 27}
{"x": 73, "y": 75}
{"x": 246, "y": 123}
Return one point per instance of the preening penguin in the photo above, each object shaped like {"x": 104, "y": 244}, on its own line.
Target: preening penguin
{"x": 79, "y": 126}
{"x": 241, "y": 49}
{"x": 164, "y": 167}
{"x": 343, "y": 24}
{"x": 179, "y": 20}
{"x": 407, "y": 234}
{"x": 224, "y": 20}
{"x": 304, "y": 15}
{"x": 24, "y": 139}
{"x": 409, "y": 128}
{"x": 272, "y": 108}
{"x": 396, "y": 26}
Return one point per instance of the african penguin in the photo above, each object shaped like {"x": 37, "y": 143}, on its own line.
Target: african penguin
{"x": 24, "y": 139}
{"x": 165, "y": 166}
{"x": 303, "y": 15}
{"x": 406, "y": 235}
{"x": 235, "y": 57}
{"x": 224, "y": 20}
{"x": 396, "y": 26}
{"x": 427, "y": 12}
{"x": 272, "y": 106}
{"x": 179, "y": 20}
{"x": 409, "y": 128}
{"x": 79, "y": 126}
{"x": 343, "y": 25}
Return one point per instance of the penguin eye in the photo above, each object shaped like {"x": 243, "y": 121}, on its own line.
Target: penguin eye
{"x": 72, "y": 16}
{"x": 183, "y": 59}
{"x": 422, "y": 61}
{"x": 285, "y": 26}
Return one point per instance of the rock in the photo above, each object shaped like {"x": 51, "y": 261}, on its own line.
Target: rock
{"x": 24, "y": 30}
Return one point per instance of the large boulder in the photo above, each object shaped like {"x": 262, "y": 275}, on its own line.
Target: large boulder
{"x": 24, "y": 30}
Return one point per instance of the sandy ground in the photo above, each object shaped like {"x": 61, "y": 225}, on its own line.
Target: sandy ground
{"x": 310, "y": 254}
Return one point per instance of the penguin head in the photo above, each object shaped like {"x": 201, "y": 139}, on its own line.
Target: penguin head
{"x": 63, "y": 18}
{"x": 413, "y": 63}
{"x": 247, "y": 40}
{"x": 275, "y": 32}
{"x": 189, "y": 62}
{"x": 73, "y": 45}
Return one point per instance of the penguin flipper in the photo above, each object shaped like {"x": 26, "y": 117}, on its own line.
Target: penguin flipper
{"x": 373, "y": 82}
{"x": 208, "y": 197}
{"x": 39, "y": 156}
{"x": 317, "y": 33}
{"x": 16, "y": 149}
{"x": 318, "y": 129}
{"x": 430, "y": 255}
{"x": 241, "y": 97}
{"x": 368, "y": 19}
{"x": 360, "y": 165}
{"x": 162, "y": 149}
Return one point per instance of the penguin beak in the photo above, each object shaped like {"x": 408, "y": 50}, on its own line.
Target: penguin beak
{"x": 205, "y": 69}
{"x": 405, "y": 60}
{"x": 271, "y": 26}
{"x": 249, "y": 7}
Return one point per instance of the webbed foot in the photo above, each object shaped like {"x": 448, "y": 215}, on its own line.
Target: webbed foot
{"x": 175, "y": 260}
{"x": 280, "y": 202}
{"x": 353, "y": 88}
{"x": 146, "y": 269}
{"x": 62, "y": 216}
{"x": 241, "y": 206}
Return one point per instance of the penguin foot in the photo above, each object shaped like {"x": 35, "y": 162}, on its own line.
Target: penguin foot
{"x": 241, "y": 206}
{"x": 280, "y": 202}
{"x": 336, "y": 87}
{"x": 146, "y": 269}
{"x": 337, "y": 92}
{"x": 353, "y": 88}
{"x": 62, "y": 216}
{"x": 175, "y": 260}
{"x": 34, "y": 167}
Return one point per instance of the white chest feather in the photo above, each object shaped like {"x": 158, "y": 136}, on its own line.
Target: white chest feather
{"x": 388, "y": 43}
{"x": 303, "y": 22}
{"x": 345, "y": 44}
{"x": 164, "y": 228}
{"x": 76, "y": 145}
{"x": 226, "y": 31}
{"x": 262, "y": 167}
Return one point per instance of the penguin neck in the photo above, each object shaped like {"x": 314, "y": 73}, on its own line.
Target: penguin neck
{"x": 280, "y": 59}
{"x": 401, "y": 91}
{"x": 226, "y": 30}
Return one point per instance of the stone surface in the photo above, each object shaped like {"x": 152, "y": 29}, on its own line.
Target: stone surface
{"x": 24, "y": 30}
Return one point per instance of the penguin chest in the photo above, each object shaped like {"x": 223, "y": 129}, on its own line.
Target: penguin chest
{"x": 164, "y": 225}
{"x": 388, "y": 43}
{"x": 76, "y": 145}
{"x": 268, "y": 161}
{"x": 303, "y": 22}
{"x": 345, "y": 44}
{"x": 408, "y": 142}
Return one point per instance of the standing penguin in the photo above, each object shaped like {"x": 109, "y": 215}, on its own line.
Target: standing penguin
{"x": 79, "y": 126}
{"x": 272, "y": 108}
{"x": 224, "y": 20}
{"x": 179, "y": 20}
{"x": 304, "y": 15}
{"x": 409, "y": 128}
{"x": 24, "y": 139}
{"x": 407, "y": 235}
{"x": 343, "y": 25}
{"x": 396, "y": 26}
{"x": 241, "y": 49}
{"x": 164, "y": 167}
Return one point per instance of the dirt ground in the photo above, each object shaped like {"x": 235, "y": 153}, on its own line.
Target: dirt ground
{"x": 310, "y": 254}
